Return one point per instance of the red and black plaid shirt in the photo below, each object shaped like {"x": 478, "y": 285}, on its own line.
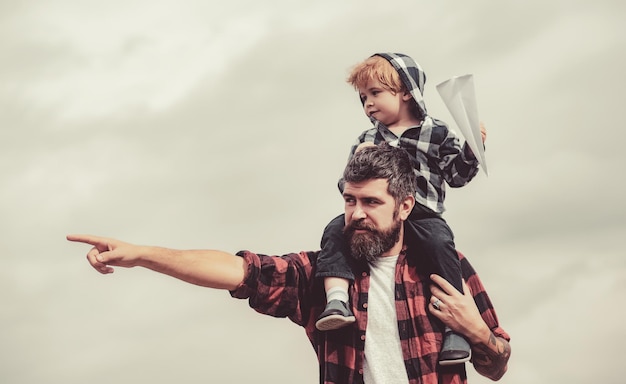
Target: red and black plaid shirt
{"x": 285, "y": 286}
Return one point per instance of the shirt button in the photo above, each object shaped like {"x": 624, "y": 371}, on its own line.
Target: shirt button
{"x": 364, "y": 305}
{"x": 360, "y": 371}
{"x": 363, "y": 337}
{"x": 364, "y": 274}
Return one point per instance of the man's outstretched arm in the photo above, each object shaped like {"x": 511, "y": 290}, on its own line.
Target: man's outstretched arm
{"x": 207, "y": 268}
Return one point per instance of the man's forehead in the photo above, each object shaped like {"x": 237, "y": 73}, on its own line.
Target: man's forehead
{"x": 370, "y": 187}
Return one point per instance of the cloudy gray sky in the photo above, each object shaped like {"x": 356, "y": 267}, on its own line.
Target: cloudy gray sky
{"x": 196, "y": 124}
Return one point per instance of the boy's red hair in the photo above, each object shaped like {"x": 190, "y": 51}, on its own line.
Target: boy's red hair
{"x": 378, "y": 68}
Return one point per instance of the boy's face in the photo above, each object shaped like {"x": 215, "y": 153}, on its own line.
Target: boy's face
{"x": 382, "y": 104}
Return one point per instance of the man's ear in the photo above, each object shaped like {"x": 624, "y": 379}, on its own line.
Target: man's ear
{"x": 406, "y": 207}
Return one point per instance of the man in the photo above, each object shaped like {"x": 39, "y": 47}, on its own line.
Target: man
{"x": 400, "y": 315}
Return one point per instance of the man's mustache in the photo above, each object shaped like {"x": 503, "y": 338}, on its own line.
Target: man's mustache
{"x": 359, "y": 225}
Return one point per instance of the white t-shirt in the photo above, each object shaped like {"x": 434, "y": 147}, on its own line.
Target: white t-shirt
{"x": 384, "y": 362}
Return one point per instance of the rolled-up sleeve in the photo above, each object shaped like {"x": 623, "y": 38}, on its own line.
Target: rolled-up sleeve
{"x": 278, "y": 286}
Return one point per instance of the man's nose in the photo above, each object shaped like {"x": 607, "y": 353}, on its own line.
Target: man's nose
{"x": 358, "y": 213}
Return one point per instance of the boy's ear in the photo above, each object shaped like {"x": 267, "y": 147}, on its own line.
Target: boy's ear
{"x": 407, "y": 96}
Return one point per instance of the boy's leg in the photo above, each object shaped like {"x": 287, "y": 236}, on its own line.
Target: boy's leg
{"x": 433, "y": 239}
{"x": 336, "y": 288}
{"x": 333, "y": 267}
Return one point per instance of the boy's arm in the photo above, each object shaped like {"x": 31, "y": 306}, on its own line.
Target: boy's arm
{"x": 458, "y": 163}
{"x": 208, "y": 268}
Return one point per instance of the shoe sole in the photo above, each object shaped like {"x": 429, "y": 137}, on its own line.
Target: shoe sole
{"x": 457, "y": 361}
{"x": 332, "y": 322}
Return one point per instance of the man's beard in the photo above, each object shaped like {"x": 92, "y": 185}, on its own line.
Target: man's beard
{"x": 372, "y": 243}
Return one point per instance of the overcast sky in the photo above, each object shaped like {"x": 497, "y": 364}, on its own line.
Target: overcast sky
{"x": 225, "y": 125}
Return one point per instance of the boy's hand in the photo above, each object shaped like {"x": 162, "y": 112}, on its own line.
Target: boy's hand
{"x": 483, "y": 132}
{"x": 363, "y": 145}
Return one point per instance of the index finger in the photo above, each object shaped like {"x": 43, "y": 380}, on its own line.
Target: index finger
{"x": 466, "y": 289}
{"x": 444, "y": 284}
{"x": 87, "y": 239}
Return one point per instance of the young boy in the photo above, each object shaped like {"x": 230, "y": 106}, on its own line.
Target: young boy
{"x": 390, "y": 87}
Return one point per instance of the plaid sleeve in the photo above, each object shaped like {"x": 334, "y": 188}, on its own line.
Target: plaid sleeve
{"x": 481, "y": 298}
{"x": 278, "y": 286}
{"x": 458, "y": 163}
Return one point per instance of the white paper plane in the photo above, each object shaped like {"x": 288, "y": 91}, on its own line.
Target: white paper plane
{"x": 459, "y": 96}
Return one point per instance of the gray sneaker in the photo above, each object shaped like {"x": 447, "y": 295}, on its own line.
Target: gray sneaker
{"x": 335, "y": 315}
{"x": 455, "y": 350}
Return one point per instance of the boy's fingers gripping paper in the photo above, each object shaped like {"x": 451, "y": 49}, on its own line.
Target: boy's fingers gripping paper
{"x": 460, "y": 99}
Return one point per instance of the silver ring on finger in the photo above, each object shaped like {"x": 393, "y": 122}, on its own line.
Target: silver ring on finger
{"x": 436, "y": 304}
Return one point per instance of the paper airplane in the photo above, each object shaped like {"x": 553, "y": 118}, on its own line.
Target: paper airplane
{"x": 459, "y": 96}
